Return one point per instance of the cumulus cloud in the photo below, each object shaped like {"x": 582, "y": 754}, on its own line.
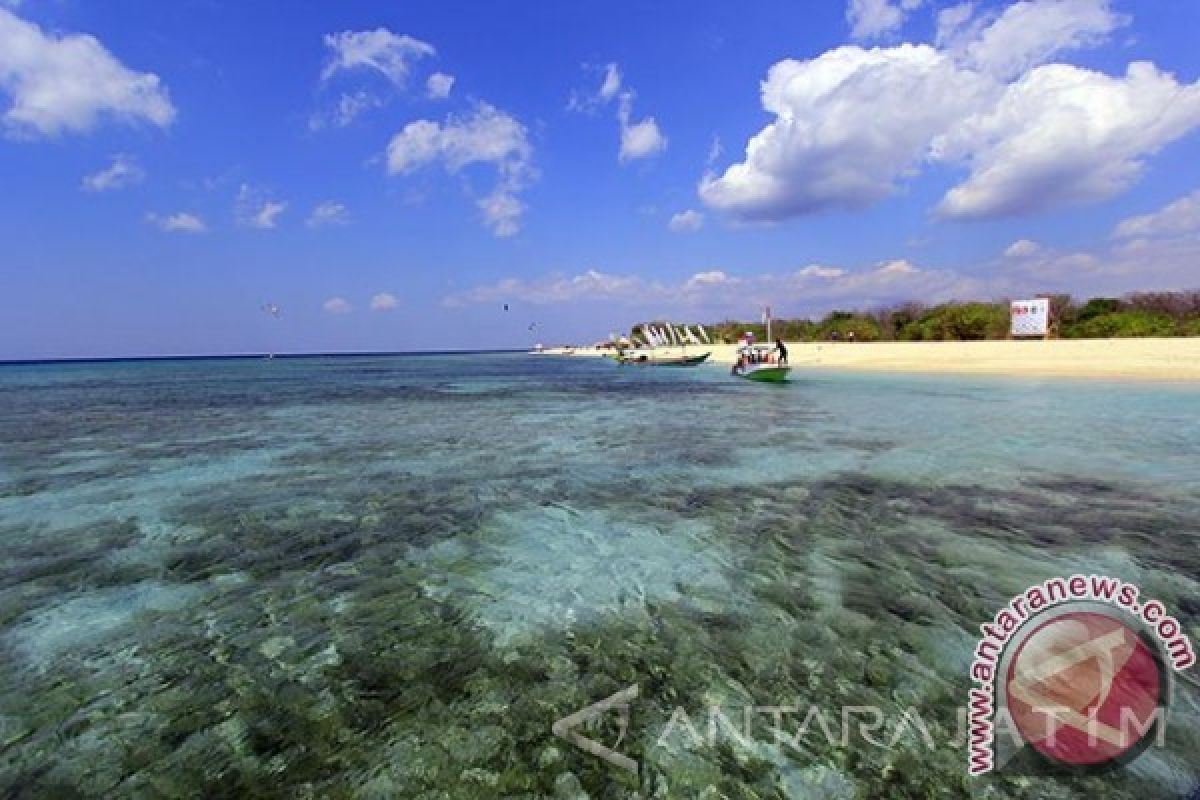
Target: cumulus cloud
{"x": 68, "y": 82}
{"x": 871, "y": 18}
{"x": 640, "y": 139}
{"x": 328, "y": 213}
{"x": 254, "y": 208}
{"x": 484, "y": 136}
{"x": 847, "y": 125}
{"x": 686, "y": 221}
{"x": 123, "y": 171}
{"x": 852, "y": 124}
{"x": 384, "y": 301}
{"x": 1063, "y": 135}
{"x": 1180, "y": 217}
{"x": 1022, "y": 248}
{"x": 181, "y": 222}
{"x": 380, "y": 50}
{"x": 438, "y": 85}
{"x": 337, "y": 305}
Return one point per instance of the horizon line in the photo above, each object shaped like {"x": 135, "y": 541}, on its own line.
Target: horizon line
{"x": 12, "y": 362}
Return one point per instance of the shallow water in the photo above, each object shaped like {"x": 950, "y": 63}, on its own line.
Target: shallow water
{"x": 388, "y": 576}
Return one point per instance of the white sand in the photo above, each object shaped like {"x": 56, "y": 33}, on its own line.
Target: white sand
{"x": 1172, "y": 359}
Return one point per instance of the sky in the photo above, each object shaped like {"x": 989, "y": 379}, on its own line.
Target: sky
{"x": 202, "y": 176}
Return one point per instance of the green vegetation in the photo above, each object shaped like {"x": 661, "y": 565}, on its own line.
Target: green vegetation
{"x": 1140, "y": 314}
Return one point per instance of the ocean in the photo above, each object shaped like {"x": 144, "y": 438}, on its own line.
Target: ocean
{"x": 388, "y": 576}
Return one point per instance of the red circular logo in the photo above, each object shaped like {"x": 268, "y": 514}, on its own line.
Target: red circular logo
{"x": 1083, "y": 689}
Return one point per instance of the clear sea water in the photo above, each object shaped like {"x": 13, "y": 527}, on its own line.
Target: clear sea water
{"x": 370, "y": 577}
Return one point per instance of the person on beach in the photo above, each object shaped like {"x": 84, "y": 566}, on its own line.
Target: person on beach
{"x": 782, "y": 351}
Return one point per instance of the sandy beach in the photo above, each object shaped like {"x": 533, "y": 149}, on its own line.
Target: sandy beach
{"x": 1164, "y": 359}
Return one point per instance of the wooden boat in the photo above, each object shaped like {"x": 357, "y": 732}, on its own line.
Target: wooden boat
{"x": 646, "y": 360}
{"x": 757, "y": 363}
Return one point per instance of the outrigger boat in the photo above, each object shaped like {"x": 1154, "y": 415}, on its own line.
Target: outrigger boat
{"x": 756, "y": 362}
{"x": 647, "y": 360}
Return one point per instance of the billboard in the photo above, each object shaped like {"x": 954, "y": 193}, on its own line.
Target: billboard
{"x": 1031, "y": 317}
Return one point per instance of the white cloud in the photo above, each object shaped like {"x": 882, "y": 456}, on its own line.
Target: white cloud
{"x": 1022, "y": 248}
{"x": 485, "y": 136}
{"x": 123, "y": 171}
{"x": 438, "y": 85}
{"x": 337, "y": 305}
{"x": 1180, "y": 217}
{"x": 818, "y": 271}
{"x": 714, "y": 151}
{"x": 380, "y": 50}
{"x": 553, "y": 289}
{"x": 328, "y": 213}
{"x": 686, "y": 221}
{"x": 68, "y": 82}
{"x": 898, "y": 266}
{"x": 847, "y": 125}
{"x": 349, "y": 107}
{"x": 589, "y": 102}
{"x": 1062, "y": 135}
{"x": 177, "y": 223}
{"x": 1029, "y": 33}
{"x": 871, "y": 18}
{"x": 852, "y": 124}
{"x": 959, "y": 24}
{"x": 255, "y": 209}
{"x": 640, "y": 139}
{"x": 612, "y": 83}
{"x": 702, "y": 281}
{"x": 814, "y": 287}
{"x": 384, "y": 301}
{"x": 1137, "y": 264}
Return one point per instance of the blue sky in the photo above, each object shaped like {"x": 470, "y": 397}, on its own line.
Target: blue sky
{"x": 390, "y": 175}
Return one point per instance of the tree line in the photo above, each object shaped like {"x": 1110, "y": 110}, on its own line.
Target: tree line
{"x": 1137, "y": 314}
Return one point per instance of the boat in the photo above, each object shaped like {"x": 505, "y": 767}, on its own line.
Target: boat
{"x": 646, "y": 360}
{"x": 756, "y": 362}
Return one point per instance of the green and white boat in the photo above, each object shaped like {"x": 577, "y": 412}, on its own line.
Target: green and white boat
{"x": 756, "y": 362}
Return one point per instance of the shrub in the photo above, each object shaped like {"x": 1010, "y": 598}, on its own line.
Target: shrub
{"x": 1117, "y": 324}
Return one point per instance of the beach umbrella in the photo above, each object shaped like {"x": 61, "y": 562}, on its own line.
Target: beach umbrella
{"x": 703, "y": 334}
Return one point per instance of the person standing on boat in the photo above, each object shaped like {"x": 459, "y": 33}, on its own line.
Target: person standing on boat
{"x": 782, "y": 351}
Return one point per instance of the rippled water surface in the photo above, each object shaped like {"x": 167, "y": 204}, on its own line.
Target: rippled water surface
{"x": 388, "y": 576}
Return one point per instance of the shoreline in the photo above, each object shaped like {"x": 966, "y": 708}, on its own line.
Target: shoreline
{"x": 1149, "y": 359}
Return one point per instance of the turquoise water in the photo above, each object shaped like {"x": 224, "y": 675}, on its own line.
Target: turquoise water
{"x": 388, "y": 576}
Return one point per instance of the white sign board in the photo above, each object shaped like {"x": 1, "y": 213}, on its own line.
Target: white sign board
{"x": 1031, "y": 317}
